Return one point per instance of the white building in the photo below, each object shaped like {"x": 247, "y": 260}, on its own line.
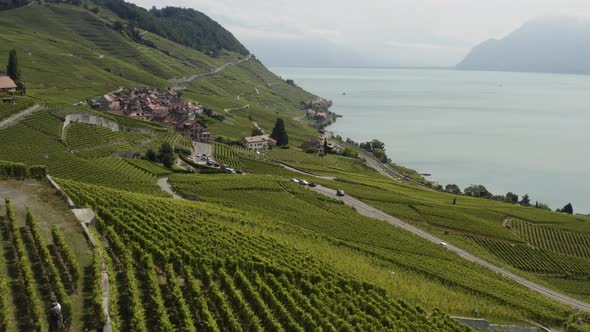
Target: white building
{"x": 259, "y": 143}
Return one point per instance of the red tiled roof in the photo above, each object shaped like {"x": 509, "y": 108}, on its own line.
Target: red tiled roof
{"x": 6, "y": 83}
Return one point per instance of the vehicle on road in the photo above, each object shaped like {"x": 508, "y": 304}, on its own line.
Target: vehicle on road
{"x": 312, "y": 184}
{"x": 210, "y": 163}
{"x": 239, "y": 171}
{"x": 216, "y": 165}
{"x": 303, "y": 182}
{"x": 444, "y": 244}
{"x": 340, "y": 193}
{"x": 294, "y": 180}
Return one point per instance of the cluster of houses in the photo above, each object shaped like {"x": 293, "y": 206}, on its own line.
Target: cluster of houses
{"x": 158, "y": 105}
{"x": 7, "y": 85}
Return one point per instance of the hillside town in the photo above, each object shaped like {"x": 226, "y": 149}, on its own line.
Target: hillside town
{"x": 164, "y": 106}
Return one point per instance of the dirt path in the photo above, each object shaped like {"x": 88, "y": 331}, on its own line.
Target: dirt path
{"x": 165, "y": 185}
{"x": 215, "y": 71}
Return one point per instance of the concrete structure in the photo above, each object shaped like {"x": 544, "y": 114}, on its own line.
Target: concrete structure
{"x": 259, "y": 143}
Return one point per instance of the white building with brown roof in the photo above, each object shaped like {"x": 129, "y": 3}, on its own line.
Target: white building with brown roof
{"x": 258, "y": 143}
{"x": 7, "y": 84}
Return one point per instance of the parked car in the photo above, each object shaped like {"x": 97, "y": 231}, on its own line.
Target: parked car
{"x": 312, "y": 184}
{"x": 224, "y": 166}
{"x": 216, "y": 165}
{"x": 303, "y": 182}
{"x": 239, "y": 171}
{"x": 231, "y": 170}
{"x": 294, "y": 180}
{"x": 340, "y": 193}
{"x": 210, "y": 163}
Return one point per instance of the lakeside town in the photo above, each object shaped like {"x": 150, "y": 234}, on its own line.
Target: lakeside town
{"x": 169, "y": 108}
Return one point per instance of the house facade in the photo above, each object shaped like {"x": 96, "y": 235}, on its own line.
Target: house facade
{"x": 259, "y": 143}
{"x": 7, "y": 84}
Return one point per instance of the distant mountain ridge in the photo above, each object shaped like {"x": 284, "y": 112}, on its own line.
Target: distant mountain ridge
{"x": 549, "y": 45}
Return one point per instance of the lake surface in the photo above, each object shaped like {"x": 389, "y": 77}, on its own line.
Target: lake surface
{"x": 520, "y": 132}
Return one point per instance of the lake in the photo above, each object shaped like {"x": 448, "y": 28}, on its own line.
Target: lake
{"x": 519, "y": 132}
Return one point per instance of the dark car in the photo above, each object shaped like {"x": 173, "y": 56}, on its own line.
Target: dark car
{"x": 239, "y": 171}
{"x": 312, "y": 184}
{"x": 340, "y": 193}
{"x": 210, "y": 163}
{"x": 216, "y": 165}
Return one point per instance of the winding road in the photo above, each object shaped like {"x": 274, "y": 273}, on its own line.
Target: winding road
{"x": 212, "y": 72}
{"x": 369, "y": 211}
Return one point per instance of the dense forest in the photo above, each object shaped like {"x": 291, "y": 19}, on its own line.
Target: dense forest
{"x": 182, "y": 25}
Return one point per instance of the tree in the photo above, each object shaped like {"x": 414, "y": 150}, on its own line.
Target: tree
{"x": 166, "y": 155}
{"x": 526, "y": 200}
{"x": 256, "y": 132}
{"x": 453, "y": 189}
{"x": 568, "y": 208}
{"x": 477, "y": 190}
{"x": 13, "y": 69}
{"x": 511, "y": 197}
{"x": 279, "y": 133}
{"x": 118, "y": 26}
{"x": 151, "y": 155}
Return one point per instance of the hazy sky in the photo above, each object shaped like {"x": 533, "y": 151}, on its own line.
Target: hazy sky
{"x": 390, "y": 32}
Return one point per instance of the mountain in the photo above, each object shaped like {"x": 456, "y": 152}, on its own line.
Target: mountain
{"x": 549, "y": 45}
{"x": 69, "y": 53}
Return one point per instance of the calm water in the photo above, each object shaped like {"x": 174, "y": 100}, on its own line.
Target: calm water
{"x": 526, "y": 133}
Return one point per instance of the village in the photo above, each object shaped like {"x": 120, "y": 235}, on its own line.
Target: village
{"x": 167, "y": 107}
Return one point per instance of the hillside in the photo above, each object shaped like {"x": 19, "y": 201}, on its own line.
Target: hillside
{"x": 549, "y": 45}
{"x": 175, "y": 251}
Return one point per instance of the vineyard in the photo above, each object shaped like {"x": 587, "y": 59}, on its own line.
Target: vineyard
{"x": 291, "y": 208}
{"x": 35, "y": 273}
{"x": 552, "y": 239}
{"x": 32, "y": 147}
{"x": 230, "y": 280}
{"x": 536, "y": 260}
{"x": 239, "y": 158}
{"x": 328, "y": 165}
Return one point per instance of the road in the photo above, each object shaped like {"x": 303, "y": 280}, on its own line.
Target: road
{"x": 212, "y": 72}
{"x": 369, "y": 211}
{"x": 14, "y": 119}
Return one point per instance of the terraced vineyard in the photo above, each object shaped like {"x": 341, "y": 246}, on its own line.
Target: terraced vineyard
{"x": 328, "y": 165}
{"x": 231, "y": 281}
{"x": 552, "y": 239}
{"x": 539, "y": 261}
{"x": 33, "y": 147}
{"x": 243, "y": 159}
{"x": 294, "y": 209}
{"x": 150, "y": 167}
{"x": 36, "y": 277}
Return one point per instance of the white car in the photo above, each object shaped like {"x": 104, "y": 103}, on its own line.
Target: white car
{"x": 444, "y": 244}
{"x": 303, "y": 182}
{"x": 294, "y": 180}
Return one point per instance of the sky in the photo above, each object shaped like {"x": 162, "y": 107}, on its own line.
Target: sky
{"x": 372, "y": 32}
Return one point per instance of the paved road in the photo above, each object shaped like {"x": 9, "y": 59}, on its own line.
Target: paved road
{"x": 212, "y": 72}
{"x": 369, "y": 211}
{"x": 200, "y": 149}
{"x": 15, "y": 118}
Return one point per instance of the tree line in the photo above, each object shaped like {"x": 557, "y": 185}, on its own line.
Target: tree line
{"x": 478, "y": 190}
